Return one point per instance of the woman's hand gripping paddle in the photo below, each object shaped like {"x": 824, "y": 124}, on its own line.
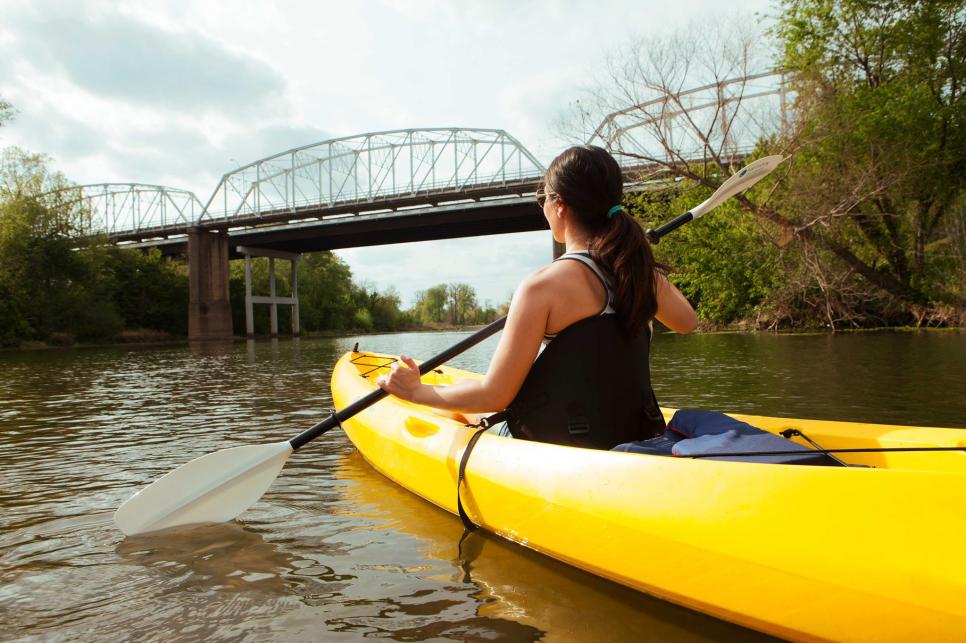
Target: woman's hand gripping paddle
{"x": 219, "y": 486}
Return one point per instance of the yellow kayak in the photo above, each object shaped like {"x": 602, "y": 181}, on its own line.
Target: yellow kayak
{"x": 871, "y": 553}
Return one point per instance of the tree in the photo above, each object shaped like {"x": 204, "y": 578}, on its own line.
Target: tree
{"x": 720, "y": 264}
{"x": 384, "y": 309}
{"x": 325, "y": 292}
{"x": 881, "y": 176}
{"x": 875, "y": 133}
{"x": 6, "y": 112}
{"x": 53, "y": 284}
{"x": 682, "y": 113}
{"x": 462, "y": 303}
{"x": 149, "y": 290}
{"x": 431, "y": 304}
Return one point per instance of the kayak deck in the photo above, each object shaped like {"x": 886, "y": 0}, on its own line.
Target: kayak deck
{"x": 796, "y": 551}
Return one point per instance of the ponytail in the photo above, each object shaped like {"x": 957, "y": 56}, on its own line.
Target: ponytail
{"x": 591, "y": 183}
{"x": 623, "y": 250}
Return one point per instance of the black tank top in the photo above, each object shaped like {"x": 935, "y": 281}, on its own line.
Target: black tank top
{"x": 590, "y": 387}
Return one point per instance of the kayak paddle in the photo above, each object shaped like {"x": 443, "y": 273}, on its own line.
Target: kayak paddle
{"x": 744, "y": 179}
{"x": 219, "y": 486}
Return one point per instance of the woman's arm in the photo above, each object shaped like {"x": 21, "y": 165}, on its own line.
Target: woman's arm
{"x": 673, "y": 309}
{"x": 518, "y": 346}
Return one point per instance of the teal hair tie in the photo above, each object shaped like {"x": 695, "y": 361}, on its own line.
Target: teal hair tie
{"x": 614, "y": 210}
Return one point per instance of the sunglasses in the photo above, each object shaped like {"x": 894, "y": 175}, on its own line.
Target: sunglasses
{"x": 543, "y": 195}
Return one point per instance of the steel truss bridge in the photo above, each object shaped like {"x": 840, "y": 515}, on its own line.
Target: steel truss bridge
{"x": 382, "y": 187}
{"x": 360, "y": 190}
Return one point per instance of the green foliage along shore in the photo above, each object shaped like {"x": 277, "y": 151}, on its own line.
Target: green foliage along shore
{"x": 876, "y": 192}
{"x": 56, "y": 289}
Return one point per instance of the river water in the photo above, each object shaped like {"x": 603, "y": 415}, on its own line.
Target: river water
{"x": 334, "y": 551}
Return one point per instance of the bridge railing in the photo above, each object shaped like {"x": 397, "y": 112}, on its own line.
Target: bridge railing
{"x": 373, "y": 168}
{"x": 112, "y": 208}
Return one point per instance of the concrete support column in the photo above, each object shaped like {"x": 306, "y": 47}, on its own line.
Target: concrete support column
{"x": 273, "y": 300}
{"x": 273, "y": 315}
{"x": 209, "y": 308}
{"x": 295, "y": 296}
{"x": 249, "y": 307}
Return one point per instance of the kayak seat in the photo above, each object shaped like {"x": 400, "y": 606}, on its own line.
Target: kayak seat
{"x": 692, "y": 432}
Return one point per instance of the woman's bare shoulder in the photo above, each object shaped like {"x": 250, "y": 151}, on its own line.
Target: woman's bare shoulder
{"x": 552, "y": 276}
{"x": 543, "y": 284}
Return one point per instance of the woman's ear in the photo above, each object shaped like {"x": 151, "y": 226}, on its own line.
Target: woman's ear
{"x": 561, "y": 210}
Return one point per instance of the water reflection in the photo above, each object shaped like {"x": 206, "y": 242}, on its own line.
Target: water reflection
{"x": 214, "y": 558}
{"x": 520, "y": 585}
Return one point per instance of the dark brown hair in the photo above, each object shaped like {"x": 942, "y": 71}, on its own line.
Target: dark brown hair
{"x": 590, "y": 182}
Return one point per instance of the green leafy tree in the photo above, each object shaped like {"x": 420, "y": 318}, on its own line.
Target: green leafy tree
{"x": 462, "y": 303}
{"x": 362, "y": 319}
{"x": 881, "y": 172}
{"x": 431, "y": 304}
{"x": 55, "y": 286}
{"x": 325, "y": 292}
{"x": 867, "y": 214}
{"x": 723, "y": 264}
{"x": 149, "y": 290}
{"x": 385, "y": 309}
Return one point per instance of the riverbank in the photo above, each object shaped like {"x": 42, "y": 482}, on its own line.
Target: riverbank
{"x": 149, "y": 337}
{"x": 711, "y": 328}
{"x": 146, "y": 337}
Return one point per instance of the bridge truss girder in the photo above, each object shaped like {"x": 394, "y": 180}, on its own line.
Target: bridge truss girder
{"x": 370, "y": 169}
{"x": 722, "y": 120}
{"x": 137, "y": 208}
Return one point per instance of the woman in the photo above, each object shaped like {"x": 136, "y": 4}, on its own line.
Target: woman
{"x": 592, "y": 307}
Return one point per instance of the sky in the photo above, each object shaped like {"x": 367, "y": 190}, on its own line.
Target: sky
{"x": 179, "y": 92}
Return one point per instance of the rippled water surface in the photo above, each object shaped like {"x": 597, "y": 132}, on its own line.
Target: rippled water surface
{"x": 334, "y": 551}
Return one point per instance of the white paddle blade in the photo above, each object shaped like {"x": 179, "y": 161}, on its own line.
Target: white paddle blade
{"x": 739, "y": 182}
{"x": 213, "y": 488}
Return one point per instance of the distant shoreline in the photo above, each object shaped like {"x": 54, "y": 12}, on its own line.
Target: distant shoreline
{"x": 158, "y": 338}
{"x": 163, "y": 339}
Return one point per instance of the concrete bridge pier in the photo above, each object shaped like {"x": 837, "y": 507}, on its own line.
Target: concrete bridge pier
{"x": 209, "y": 308}
{"x": 273, "y": 299}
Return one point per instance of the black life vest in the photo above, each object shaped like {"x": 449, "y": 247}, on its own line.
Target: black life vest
{"x": 590, "y": 387}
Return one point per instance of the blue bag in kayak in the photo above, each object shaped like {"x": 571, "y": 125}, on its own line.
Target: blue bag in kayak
{"x": 692, "y": 432}
{"x": 661, "y": 445}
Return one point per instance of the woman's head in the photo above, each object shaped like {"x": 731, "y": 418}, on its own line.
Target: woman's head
{"x": 590, "y": 183}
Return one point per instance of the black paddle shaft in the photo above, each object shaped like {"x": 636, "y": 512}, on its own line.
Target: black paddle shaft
{"x": 336, "y": 419}
{"x": 654, "y": 236}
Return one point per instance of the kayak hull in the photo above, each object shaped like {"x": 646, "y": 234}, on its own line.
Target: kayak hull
{"x": 795, "y": 551}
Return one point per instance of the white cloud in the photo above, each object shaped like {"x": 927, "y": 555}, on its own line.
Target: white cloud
{"x": 114, "y": 56}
